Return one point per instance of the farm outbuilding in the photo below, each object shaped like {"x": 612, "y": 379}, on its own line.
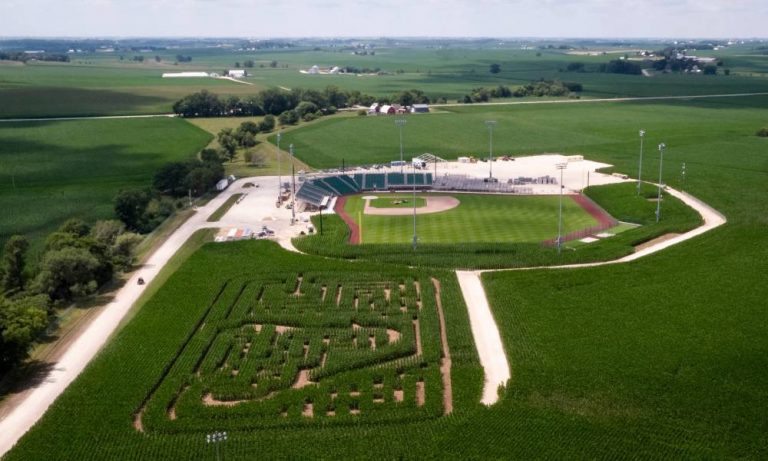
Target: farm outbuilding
{"x": 387, "y": 110}
{"x": 420, "y": 108}
{"x": 237, "y": 73}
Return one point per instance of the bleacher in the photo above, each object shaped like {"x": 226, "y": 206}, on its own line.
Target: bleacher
{"x": 339, "y": 185}
{"x": 375, "y": 181}
{"x": 319, "y": 190}
{"x": 395, "y": 179}
{"x": 312, "y": 194}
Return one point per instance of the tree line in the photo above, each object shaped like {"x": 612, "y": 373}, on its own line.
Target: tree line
{"x": 143, "y": 209}
{"x": 539, "y": 89}
{"x": 24, "y": 57}
{"x": 76, "y": 261}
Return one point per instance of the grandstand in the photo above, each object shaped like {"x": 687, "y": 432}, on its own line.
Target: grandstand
{"x": 318, "y": 191}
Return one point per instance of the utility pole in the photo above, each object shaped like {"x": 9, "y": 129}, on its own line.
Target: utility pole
{"x": 400, "y": 122}
{"x": 293, "y": 181}
{"x": 490, "y": 124}
{"x": 561, "y": 167}
{"x": 662, "y": 146}
{"x": 279, "y": 178}
{"x": 640, "y": 167}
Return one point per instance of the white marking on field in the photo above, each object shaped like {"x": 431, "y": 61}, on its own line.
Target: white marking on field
{"x": 588, "y": 240}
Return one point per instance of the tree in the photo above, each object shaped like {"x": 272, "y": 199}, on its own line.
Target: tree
{"x": 710, "y": 70}
{"x": 169, "y": 179}
{"x": 256, "y": 159}
{"x": 289, "y": 117}
{"x": 267, "y": 124}
{"x": 248, "y": 63}
{"x": 13, "y": 264}
{"x": 210, "y": 156}
{"x": 228, "y": 143}
{"x": 575, "y": 67}
{"x": 305, "y": 107}
{"x": 129, "y": 207}
{"x": 123, "y": 250}
{"x": 76, "y": 227}
{"x": 21, "y": 322}
{"x": 107, "y": 231}
{"x": 495, "y": 68}
{"x": 67, "y": 273}
{"x": 201, "y": 179}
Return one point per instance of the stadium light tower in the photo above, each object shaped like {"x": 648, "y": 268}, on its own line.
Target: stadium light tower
{"x": 662, "y": 147}
{"x": 216, "y": 439}
{"x": 490, "y": 124}
{"x": 415, "y": 238}
{"x": 279, "y": 178}
{"x": 400, "y": 123}
{"x": 561, "y": 167}
{"x": 293, "y": 181}
{"x": 640, "y": 167}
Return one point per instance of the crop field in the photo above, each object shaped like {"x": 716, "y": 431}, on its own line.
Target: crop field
{"x": 596, "y": 130}
{"x": 103, "y": 84}
{"x": 51, "y": 171}
{"x": 477, "y": 219}
{"x": 301, "y": 351}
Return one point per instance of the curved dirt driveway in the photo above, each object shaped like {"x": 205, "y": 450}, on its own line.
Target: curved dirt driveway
{"x": 486, "y": 332}
{"x": 433, "y": 205}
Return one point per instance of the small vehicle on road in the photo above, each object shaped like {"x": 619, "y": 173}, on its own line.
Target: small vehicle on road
{"x": 140, "y": 281}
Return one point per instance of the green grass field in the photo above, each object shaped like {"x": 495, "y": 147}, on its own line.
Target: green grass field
{"x": 593, "y": 130}
{"x": 477, "y": 219}
{"x": 53, "y": 171}
{"x": 398, "y": 201}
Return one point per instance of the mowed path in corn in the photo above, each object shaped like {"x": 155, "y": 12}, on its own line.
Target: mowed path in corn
{"x": 478, "y": 219}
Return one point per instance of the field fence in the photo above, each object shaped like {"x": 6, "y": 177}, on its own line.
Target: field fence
{"x": 583, "y": 233}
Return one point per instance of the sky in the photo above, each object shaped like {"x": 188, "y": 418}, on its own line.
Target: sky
{"x": 385, "y": 18}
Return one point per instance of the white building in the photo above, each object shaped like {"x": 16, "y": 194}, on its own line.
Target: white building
{"x": 237, "y": 73}
{"x": 185, "y": 74}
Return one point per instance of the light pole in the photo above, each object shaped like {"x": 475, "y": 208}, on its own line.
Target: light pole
{"x": 490, "y": 124}
{"x": 662, "y": 146}
{"x": 640, "y": 167}
{"x": 216, "y": 439}
{"x": 279, "y": 178}
{"x": 561, "y": 167}
{"x": 293, "y": 182}
{"x": 400, "y": 123}
{"x": 415, "y": 239}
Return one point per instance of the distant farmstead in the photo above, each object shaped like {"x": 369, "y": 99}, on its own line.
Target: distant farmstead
{"x": 237, "y": 73}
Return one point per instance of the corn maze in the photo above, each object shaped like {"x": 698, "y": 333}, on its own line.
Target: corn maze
{"x": 294, "y": 348}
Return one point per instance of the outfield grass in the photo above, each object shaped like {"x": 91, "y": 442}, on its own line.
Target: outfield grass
{"x": 477, "y": 219}
{"x": 53, "y": 171}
